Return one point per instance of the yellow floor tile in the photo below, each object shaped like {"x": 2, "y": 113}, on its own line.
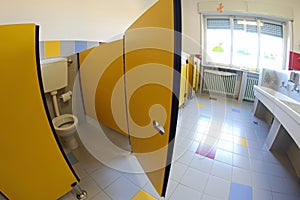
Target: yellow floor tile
{"x": 201, "y": 105}
{"x": 142, "y": 195}
{"x": 241, "y": 141}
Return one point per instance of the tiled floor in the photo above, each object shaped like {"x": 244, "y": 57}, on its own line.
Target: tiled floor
{"x": 219, "y": 155}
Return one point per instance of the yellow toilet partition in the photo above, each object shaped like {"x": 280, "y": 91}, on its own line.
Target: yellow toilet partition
{"x": 132, "y": 86}
{"x": 32, "y": 163}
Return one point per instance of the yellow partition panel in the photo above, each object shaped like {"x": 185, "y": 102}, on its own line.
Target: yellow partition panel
{"x": 32, "y": 164}
{"x": 194, "y": 76}
{"x": 103, "y": 85}
{"x": 190, "y": 70}
{"x": 151, "y": 65}
{"x": 183, "y": 85}
{"x": 197, "y": 66}
{"x": 84, "y": 54}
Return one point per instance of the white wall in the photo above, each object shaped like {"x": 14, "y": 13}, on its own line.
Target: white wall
{"x": 100, "y": 20}
{"x": 191, "y": 19}
{"x": 93, "y": 20}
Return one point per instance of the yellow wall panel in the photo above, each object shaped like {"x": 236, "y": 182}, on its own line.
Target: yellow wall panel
{"x": 102, "y": 83}
{"x": 32, "y": 165}
{"x": 110, "y": 97}
{"x": 52, "y": 48}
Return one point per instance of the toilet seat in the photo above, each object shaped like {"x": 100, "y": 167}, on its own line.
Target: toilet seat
{"x": 65, "y": 122}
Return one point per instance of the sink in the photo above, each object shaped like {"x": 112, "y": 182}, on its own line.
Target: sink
{"x": 284, "y": 108}
{"x": 292, "y": 109}
{"x": 275, "y": 94}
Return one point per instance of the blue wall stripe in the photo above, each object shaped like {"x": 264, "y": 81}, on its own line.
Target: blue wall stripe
{"x": 80, "y": 46}
{"x": 68, "y": 48}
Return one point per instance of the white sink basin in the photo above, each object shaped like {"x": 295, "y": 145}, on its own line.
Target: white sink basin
{"x": 274, "y": 94}
{"x": 294, "y": 106}
{"x": 284, "y": 108}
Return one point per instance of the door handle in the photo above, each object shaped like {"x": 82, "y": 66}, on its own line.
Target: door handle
{"x": 158, "y": 127}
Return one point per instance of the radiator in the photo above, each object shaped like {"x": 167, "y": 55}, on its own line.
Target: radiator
{"x": 220, "y": 82}
{"x": 249, "y": 91}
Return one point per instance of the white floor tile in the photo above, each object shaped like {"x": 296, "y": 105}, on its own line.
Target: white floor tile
{"x": 183, "y": 192}
{"x": 278, "y": 185}
{"x": 139, "y": 180}
{"x": 201, "y": 163}
{"x": 225, "y": 145}
{"x": 241, "y": 176}
{"x": 259, "y": 166}
{"x": 276, "y": 170}
{"x": 270, "y": 157}
{"x": 80, "y": 171}
{"x": 172, "y": 185}
{"x": 170, "y": 189}
{"x": 241, "y": 161}
{"x": 222, "y": 170}
{"x": 194, "y": 146}
{"x": 278, "y": 196}
{"x": 256, "y": 154}
{"x": 122, "y": 189}
{"x": 90, "y": 186}
{"x": 217, "y": 187}
{"x": 260, "y": 181}
{"x": 177, "y": 171}
{"x": 239, "y": 149}
{"x": 259, "y": 194}
{"x": 224, "y": 156}
{"x": 194, "y": 179}
{"x": 105, "y": 177}
{"x": 100, "y": 196}
{"x": 207, "y": 197}
{"x": 187, "y": 157}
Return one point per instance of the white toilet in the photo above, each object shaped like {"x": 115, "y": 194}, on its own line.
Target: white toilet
{"x": 55, "y": 77}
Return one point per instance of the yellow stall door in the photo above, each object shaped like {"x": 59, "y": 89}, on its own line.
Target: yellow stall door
{"x": 152, "y": 66}
{"x": 32, "y": 163}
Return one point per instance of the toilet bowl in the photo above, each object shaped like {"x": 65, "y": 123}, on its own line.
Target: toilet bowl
{"x": 65, "y": 127}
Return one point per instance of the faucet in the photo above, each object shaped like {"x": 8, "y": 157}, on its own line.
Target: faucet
{"x": 295, "y": 88}
{"x": 283, "y": 85}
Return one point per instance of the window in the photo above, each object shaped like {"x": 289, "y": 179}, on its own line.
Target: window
{"x": 218, "y": 40}
{"x": 271, "y": 45}
{"x": 243, "y": 42}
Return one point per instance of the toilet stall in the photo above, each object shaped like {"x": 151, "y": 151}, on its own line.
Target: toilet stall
{"x": 33, "y": 164}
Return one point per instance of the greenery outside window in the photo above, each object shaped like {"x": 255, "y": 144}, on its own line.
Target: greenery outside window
{"x": 244, "y": 42}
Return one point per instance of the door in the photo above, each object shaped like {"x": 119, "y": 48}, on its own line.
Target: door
{"x": 152, "y": 81}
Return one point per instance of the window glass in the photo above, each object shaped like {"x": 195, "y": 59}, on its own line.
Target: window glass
{"x": 271, "y": 46}
{"x": 245, "y": 43}
{"x": 254, "y": 43}
{"x": 218, "y": 44}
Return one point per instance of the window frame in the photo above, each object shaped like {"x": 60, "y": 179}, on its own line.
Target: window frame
{"x": 282, "y": 23}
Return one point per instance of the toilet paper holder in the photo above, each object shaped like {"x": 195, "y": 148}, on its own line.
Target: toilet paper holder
{"x": 66, "y": 96}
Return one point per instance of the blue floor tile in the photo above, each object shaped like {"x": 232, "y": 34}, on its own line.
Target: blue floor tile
{"x": 235, "y": 110}
{"x": 238, "y": 192}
